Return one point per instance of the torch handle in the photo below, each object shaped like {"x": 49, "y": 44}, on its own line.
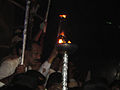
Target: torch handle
{"x": 64, "y": 71}
{"x": 48, "y": 8}
{"x": 25, "y": 30}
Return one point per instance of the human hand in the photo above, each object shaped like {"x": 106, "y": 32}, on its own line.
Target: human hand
{"x": 20, "y": 69}
{"x": 43, "y": 26}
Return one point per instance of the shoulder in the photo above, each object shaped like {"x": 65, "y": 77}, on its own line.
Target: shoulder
{"x": 10, "y": 61}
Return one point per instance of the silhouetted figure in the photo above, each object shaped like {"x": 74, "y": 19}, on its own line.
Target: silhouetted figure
{"x": 29, "y": 80}
{"x": 54, "y": 78}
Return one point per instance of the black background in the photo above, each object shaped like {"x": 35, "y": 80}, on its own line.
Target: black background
{"x": 87, "y": 26}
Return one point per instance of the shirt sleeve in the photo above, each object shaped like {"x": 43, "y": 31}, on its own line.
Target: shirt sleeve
{"x": 44, "y": 69}
{"x": 1, "y": 84}
{"x": 8, "y": 67}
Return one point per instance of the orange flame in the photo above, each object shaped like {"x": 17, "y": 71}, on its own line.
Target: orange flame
{"x": 62, "y": 16}
{"x": 69, "y": 41}
{"x": 62, "y": 34}
{"x": 60, "y": 41}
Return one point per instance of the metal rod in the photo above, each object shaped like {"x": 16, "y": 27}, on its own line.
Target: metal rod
{"x": 46, "y": 17}
{"x": 17, "y": 4}
{"x": 48, "y": 8}
{"x": 23, "y": 8}
{"x": 25, "y": 30}
{"x": 64, "y": 71}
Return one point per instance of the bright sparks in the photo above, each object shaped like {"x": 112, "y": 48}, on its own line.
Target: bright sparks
{"x": 62, "y": 16}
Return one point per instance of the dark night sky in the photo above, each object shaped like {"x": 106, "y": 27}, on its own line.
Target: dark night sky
{"x": 93, "y": 25}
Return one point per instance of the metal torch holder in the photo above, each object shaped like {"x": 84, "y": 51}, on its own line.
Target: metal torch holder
{"x": 65, "y": 49}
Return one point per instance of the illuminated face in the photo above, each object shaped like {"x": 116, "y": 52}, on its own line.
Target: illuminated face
{"x": 36, "y": 51}
{"x": 35, "y": 56}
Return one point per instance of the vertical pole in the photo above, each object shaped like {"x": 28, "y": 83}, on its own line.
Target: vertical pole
{"x": 46, "y": 16}
{"x": 25, "y": 30}
{"x": 48, "y": 8}
{"x": 64, "y": 71}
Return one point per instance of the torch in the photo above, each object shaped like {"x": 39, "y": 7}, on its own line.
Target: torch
{"x": 25, "y": 30}
{"x": 66, "y": 47}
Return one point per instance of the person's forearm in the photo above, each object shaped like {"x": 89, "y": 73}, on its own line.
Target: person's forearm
{"x": 51, "y": 58}
{"x": 53, "y": 55}
{"x": 38, "y": 36}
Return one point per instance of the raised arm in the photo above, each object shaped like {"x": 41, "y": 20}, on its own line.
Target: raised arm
{"x": 53, "y": 55}
{"x": 44, "y": 69}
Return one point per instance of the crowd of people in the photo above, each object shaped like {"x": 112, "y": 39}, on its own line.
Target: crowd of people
{"x": 35, "y": 74}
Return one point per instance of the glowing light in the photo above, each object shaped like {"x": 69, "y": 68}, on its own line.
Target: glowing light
{"x": 62, "y": 16}
{"x": 60, "y": 41}
{"x": 69, "y": 41}
{"x": 64, "y": 41}
{"x": 62, "y": 33}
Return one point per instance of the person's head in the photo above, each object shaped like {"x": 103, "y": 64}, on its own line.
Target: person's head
{"x": 34, "y": 56}
{"x": 31, "y": 79}
{"x": 35, "y": 74}
{"x": 36, "y": 50}
{"x": 16, "y": 48}
{"x": 54, "y": 78}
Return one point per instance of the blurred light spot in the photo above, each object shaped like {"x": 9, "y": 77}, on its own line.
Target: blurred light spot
{"x": 108, "y": 22}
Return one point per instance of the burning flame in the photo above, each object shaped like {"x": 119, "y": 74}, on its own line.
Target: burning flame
{"x": 69, "y": 41}
{"x": 62, "y": 16}
{"x": 61, "y": 41}
{"x": 62, "y": 34}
